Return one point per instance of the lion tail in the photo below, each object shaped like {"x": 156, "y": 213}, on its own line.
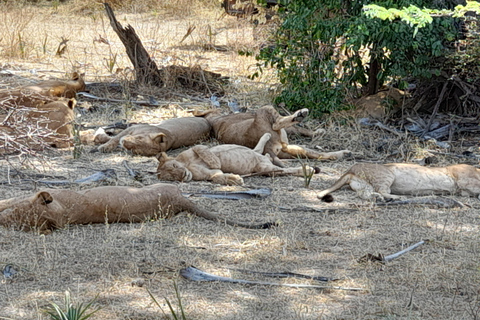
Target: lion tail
{"x": 325, "y": 195}
{"x": 193, "y": 209}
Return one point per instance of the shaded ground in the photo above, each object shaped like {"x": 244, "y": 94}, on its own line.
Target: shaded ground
{"x": 119, "y": 262}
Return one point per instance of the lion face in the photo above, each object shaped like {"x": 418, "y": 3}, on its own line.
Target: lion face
{"x": 173, "y": 170}
{"x": 147, "y": 145}
{"x": 36, "y": 210}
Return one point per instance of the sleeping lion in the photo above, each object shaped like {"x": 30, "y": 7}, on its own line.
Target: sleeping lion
{"x": 222, "y": 164}
{"x": 392, "y": 180}
{"x": 55, "y": 208}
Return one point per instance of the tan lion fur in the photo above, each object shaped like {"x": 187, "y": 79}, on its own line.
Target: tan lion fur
{"x": 221, "y": 164}
{"x": 42, "y": 92}
{"x": 394, "y": 179}
{"x": 55, "y": 116}
{"x": 150, "y": 140}
{"x": 246, "y": 129}
{"x": 56, "y": 208}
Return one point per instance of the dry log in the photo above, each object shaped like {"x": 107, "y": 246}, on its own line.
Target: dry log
{"x": 146, "y": 70}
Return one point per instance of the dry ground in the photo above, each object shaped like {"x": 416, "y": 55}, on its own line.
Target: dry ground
{"x": 118, "y": 263}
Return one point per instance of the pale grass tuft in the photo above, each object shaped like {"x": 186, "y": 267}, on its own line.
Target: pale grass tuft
{"x": 14, "y": 20}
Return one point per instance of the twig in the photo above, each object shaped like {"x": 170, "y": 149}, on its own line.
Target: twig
{"x": 435, "y": 109}
{"x": 315, "y": 209}
{"x": 135, "y": 174}
{"x": 398, "y": 254}
{"x": 194, "y": 274}
{"x": 383, "y": 259}
{"x": 261, "y": 173}
{"x": 370, "y": 122}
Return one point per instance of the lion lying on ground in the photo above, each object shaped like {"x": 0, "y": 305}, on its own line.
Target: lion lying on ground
{"x": 150, "y": 140}
{"x": 222, "y": 164}
{"x": 55, "y": 208}
{"x": 393, "y": 179}
{"x": 42, "y": 92}
{"x": 246, "y": 129}
{"x": 26, "y": 125}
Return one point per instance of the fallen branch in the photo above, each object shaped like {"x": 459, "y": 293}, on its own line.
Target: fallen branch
{"x": 398, "y": 254}
{"x": 152, "y": 102}
{"x": 287, "y": 275}
{"x": 376, "y": 123}
{"x": 233, "y": 195}
{"x": 381, "y": 258}
{"x": 194, "y": 274}
{"x": 107, "y": 176}
{"x": 316, "y": 209}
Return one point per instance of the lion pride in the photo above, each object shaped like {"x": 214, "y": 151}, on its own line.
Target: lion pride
{"x": 246, "y": 129}
{"x": 222, "y": 164}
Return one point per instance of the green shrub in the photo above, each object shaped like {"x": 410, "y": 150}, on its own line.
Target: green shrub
{"x": 325, "y": 50}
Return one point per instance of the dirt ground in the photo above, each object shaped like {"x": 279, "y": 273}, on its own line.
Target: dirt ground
{"x": 119, "y": 265}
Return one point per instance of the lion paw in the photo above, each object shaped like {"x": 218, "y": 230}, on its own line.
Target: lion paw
{"x": 228, "y": 179}
{"x": 106, "y": 147}
{"x": 235, "y": 180}
{"x": 300, "y": 115}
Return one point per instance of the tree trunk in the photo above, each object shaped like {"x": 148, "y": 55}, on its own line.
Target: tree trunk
{"x": 374, "y": 68}
{"x": 146, "y": 70}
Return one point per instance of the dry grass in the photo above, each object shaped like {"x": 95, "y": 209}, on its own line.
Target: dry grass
{"x": 119, "y": 262}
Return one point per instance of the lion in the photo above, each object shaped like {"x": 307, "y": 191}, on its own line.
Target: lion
{"x": 391, "y": 181}
{"x": 42, "y": 92}
{"x": 55, "y": 208}
{"x": 246, "y": 129}
{"x": 222, "y": 164}
{"x": 23, "y": 124}
{"x": 150, "y": 140}
{"x": 58, "y": 117}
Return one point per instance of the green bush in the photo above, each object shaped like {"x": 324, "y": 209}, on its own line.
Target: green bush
{"x": 325, "y": 50}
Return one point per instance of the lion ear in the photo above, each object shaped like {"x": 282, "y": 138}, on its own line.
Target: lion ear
{"x": 162, "y": 157}
{"x": 158, "y": 137}
{"x": 72, "y": 103}
{"x": 75, "y": 76}
{"x": 44, "y": 197}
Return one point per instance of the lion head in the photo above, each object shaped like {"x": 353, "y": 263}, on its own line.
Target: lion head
{"x": 35, "y": 210}
{"x": 172, "y": 170}
{"x": 147, "y": 145}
